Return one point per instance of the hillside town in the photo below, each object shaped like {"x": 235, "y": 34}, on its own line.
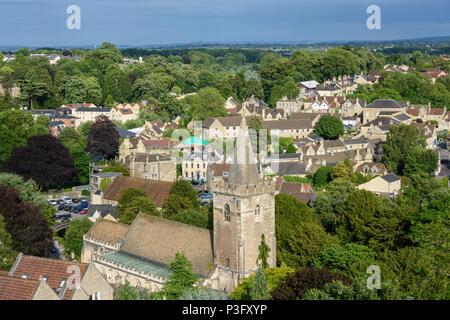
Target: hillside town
{"x": 114, "y": 180}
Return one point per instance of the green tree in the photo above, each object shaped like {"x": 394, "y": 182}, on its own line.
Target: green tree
{"x": 7, "y": 254}
{"x": 106, "y": 182}
{"x": 373, "y": 221}
{"x": 184, "y": 189}
{"x": 210, "y": 103}
{"x": 174, "y": 204}
{"x": 197, "y": 218}
{"x": 140, "y": 204}
{"x": 182, "y": 278}
{"x": 349, "y": 259}
{"x": 275, "y": 277}
{"x": 43, "y": 121}
{"x": 260, "y": 288}
{"x": 401, "y": 141}
{"x": 322, "y": 176}
{"x": 330, "y": 127}
{"x": 300, "y": 238}
{"x": 85, "y": 128}
{"x": 73, "y": 238}
{"x": 263, "y": 254}
{"x": 421, "y": 160}
{"x": 15, "y": 128}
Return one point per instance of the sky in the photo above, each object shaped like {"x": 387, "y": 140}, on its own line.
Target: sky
{"x": 146, "y": 22}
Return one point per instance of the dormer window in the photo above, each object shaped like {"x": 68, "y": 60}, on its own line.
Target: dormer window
{"x": 61, "y": 285}
{"x": 25, "y": 276}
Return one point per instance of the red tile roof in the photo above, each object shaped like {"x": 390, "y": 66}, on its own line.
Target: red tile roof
{"x": 16, "y": 288}
{"x": 412, "y": 112}
{"x": 155, "y": 189}
{"x": 437, "y": 111}
{"x": 54, "y": 270}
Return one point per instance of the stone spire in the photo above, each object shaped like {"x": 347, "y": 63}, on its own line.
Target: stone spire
{"x": 244, "y": 170}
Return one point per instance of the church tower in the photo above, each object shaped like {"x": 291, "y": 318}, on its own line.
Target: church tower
{"x": 244, "y": 209}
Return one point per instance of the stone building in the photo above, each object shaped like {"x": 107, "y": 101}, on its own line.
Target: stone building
{"x": 69, "y": 280}
{"x": 244, "y": 210}
{"x": 152, "y": 166}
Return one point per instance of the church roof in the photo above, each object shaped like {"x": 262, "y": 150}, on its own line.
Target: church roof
{"x": 158, "y": 240}
{"x": 108, "y": 231}
{"x": 243, "y": 171}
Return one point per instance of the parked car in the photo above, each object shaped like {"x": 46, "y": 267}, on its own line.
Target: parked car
{"x": 62, "y": 207}
{"x": 206, "y": 195}
{"x": 204, "y": 203}
{"x": 75, "y": 200}
{"x": 63, "y": 217}
{"x": 67, "y": 199}
{"x": 52, "y": 202}
{"x": 82, "y": 199}
{"x": 59, "y": 201}
{"x": 83, "y": 212}
{"x": 55, "y": 250}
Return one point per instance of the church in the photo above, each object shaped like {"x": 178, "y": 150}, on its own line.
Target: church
{"x": 243, "y": 210}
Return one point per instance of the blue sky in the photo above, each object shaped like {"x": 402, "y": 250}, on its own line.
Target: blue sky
{"x": 141, "y": 22}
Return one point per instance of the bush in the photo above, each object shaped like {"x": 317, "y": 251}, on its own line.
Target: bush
{"x": 85, "y": 193}
{"x": 305, "y": 279}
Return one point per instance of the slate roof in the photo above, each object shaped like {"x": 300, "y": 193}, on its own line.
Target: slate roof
{"x": 333, "y": 144}
{"x": 54, "y": 270}
{"x": 159, "y": 240}
{"x": 107, "y": 231}
{"x": 288, "y": 168}
{"x": 384, "y": 103}
{"x": 83, "y": 109}
{"x": 355, "y": 141}
{"x": 287, "y": 124}
{"x": 155, "y": 189}
{"x": 125, "y": 133}
{"x": 391, "y": 177}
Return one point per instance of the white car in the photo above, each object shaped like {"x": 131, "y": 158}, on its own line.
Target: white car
{"x": 52, "y": 202}
{"x": 67, "y": 199}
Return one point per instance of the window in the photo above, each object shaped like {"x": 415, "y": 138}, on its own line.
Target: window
{"x": 227, "y": 263}
{"x": 225, "y": 173}
{"x": 24, "y": 276}
{"x": 227, "y": 212}
{"x": 257, "y": 210}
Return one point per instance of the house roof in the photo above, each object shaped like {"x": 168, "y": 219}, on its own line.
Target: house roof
{"x": 333, "y": 144}
{"x": 83, "y": 109}
{"x": 159, "y": 240}
{"x": 147, "y": 157}
{"x": 107, "y": 230}
{"x": 54, "y": 270}
{"x": 12, "y": 288}
{"x": 384, "y": 103}
{"x": 287, "y": 124}
{"x": 305, "y": 116}
{"x": 218, "y": 168}
{"x": 437, "y": 111}
{"x": 288, "y": 168}
{"x": 355, "y": 141}
{"x": 160, "y": 144}
{"x": 125, "y": 133}
{"x": 155, "y": 189}
{"x": 391, "y": 177}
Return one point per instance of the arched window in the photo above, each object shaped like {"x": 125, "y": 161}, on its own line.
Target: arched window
{"x": 227, "y": 212}
{"x": 257, "y": 210}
